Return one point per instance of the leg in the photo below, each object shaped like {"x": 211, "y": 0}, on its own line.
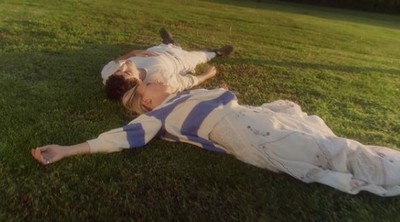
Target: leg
{"x": 167, "y": 37}
{"x": 186, "y": 61}
{"x": 190, "y": 59}
{"x": 293, "y": 144}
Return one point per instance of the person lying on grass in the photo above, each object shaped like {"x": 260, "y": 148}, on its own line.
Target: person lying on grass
{"x": 276, "y": 136}
{"x": 167, "y": 63}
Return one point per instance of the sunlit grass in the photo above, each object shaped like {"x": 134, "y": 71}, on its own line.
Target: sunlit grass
{"x": 341, "y": 65}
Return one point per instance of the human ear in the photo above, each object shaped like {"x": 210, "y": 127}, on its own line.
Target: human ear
{"x": 146, "y": 102}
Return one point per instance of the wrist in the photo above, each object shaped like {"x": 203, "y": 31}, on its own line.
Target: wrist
{"x": 67, "y": 151}
{"x": 77, "y": 149}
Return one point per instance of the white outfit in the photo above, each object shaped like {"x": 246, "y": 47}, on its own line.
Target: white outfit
{"x": 277, "y": 136}
{"x": 280, "y": 137}
{"x": 171, "y": 66}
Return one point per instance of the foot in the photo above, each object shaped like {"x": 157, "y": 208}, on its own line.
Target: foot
{"x": 166, "y": 37}
{"x": 225, "y": 50}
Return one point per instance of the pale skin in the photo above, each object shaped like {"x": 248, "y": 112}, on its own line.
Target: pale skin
{"x": 138, "y": 53}
{"x": 153, "y": 94}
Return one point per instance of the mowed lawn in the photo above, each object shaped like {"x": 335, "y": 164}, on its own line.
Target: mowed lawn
{"x": 341, "y": 65}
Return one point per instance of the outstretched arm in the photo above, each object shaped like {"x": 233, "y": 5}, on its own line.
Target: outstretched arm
{"x": 209, "y": 73}
{"x": 53, "y": 153}
{"x": 134, "y": 135}
{"x": 188, "y": 81}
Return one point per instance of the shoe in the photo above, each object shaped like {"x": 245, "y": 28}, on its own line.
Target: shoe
{"x": 166, "y": 37}
{"x": 225, "y": 50}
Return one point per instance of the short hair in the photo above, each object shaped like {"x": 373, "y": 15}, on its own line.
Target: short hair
{"x": 132, "y": 101}
{"x": 117, "y": 85}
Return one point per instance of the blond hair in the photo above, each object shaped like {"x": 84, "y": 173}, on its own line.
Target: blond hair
{"x": 132, "y": 101}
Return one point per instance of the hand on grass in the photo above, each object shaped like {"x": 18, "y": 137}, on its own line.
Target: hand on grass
{"x": 211, "y": 71}
{"x": 48, "y": 154}
{"x": 223, "y": 85}
{"x": 53, "y": 153}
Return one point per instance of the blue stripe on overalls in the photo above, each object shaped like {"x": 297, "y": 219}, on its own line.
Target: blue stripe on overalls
{"x": 193, "y": 121}
{"x": 135, "y": 133}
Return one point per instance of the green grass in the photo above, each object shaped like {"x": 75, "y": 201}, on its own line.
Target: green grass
{"x": 341, "y": 65}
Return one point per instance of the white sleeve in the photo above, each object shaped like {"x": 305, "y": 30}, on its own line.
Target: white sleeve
{"x": 136, "y": 134}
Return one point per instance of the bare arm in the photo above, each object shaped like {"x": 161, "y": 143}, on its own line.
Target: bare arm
{"x": 138, "y": 53}
{"x": 209, "y": 73}
{"x": 188, "y": 81}
{"x": 133, "y": 135}
{"x": 53, "y": 153}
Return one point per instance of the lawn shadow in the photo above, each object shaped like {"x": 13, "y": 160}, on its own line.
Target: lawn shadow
{"x": 40, "y": 86}
{"x": 361, "y": 17}
{"x": 76, "y": 60}
{"x": 46, "y": 76}
{"x": 316, "y": 66}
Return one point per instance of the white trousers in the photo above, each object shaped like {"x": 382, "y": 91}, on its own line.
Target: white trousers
{"x": 182, "y": 61}
{"x": 280, "y": 137}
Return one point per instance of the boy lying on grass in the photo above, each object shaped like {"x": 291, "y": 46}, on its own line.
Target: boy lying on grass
{"x": 167, "y": 63}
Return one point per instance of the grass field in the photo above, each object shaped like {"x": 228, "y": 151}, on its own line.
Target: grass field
{"x": 341, "y": 65}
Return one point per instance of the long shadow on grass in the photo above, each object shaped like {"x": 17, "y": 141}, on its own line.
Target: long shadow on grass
{"x": 57, "y": 64}
{"x": 39, "y": 87}
{"x": 317, "y": 66}
{"x": 367, "y": 18}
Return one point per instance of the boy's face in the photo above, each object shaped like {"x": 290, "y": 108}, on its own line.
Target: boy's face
{"x": 128, "y": 70}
